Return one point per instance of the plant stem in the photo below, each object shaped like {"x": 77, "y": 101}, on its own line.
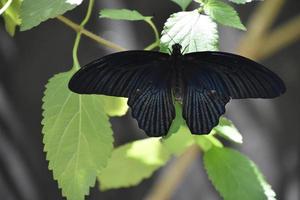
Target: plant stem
{"x": 152, "y": 46}
{"x": 170, "y": 180}
{"x": 76, "y": 64}
{"x": 89, "y": 34}
{"x": 280, "y": 37}
{"x": 6, "y": 5}
{"x": 258, "y": 27}
{"x": 156, "y": 43}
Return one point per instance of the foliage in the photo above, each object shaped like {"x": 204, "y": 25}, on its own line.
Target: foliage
{"x": 227, "y": 164}
{"x": 11, "y": 15}
{"x": 182, "y": 3}
{"x": 75, "y": 127}
{"x": 78, "y": 136}
{"x": 223, "y": 13}
{"x": 123, "y": 14}
{"x": 133, "y": 162}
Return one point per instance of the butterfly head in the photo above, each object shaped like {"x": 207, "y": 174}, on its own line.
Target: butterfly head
{"x": 176, "y": 49}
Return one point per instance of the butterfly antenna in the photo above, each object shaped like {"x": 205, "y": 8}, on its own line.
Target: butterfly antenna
{"x": 185, "y": 48}
{"x": 170, "y": 37}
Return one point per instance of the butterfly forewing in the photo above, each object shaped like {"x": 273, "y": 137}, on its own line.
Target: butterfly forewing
{"x": 142, "y": 76}
{"x": 119, "y": 74}
{"x": 233, "y": 75}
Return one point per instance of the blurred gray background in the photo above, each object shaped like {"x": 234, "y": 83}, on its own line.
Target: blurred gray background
{"x": 270, "y": 127}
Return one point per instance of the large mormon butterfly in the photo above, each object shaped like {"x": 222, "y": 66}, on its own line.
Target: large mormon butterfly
{"x": 203, "y": 82}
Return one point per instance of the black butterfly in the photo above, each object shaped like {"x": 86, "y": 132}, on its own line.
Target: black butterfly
{"x": 203, "y": 82}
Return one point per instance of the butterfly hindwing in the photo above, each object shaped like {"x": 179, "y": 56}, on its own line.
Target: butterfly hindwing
{"x": 233, "y": 75}
{"x": 153, "y": 107}
{"x": 117, "y": 74}
{"x": 202, "y": 108}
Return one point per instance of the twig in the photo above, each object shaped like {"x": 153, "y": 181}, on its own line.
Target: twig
{"x": 76, "y": 64}
{"x": 169, "y": 181}
{"x": 280, "y": 38}
{"x": 89, "y": 34}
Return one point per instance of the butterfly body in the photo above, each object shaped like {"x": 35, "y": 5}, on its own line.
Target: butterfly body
{"x": 203, "y": 82}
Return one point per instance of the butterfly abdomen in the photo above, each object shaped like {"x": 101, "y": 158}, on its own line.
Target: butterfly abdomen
{"x": 177, "y": 84}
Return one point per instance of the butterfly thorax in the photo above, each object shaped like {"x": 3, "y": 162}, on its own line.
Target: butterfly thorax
{"x": 176, "y": 50}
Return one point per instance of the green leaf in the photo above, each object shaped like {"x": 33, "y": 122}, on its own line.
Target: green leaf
{"x": 241, "y": 1}
{"x": 235, "y": 176}
{"x": 183, "y": 3}
{"x": 123, "y": 14}
{"x": 223, "y": 13}
{"x": 195, "y": 32}
{"x": 269, "y": 192}
{"x": 11, "y": 16}
{"x": 34, "y": 12}
{"x": 177, "y": 143}
{"x": 206, "y": 142}
{"x": 77, "y": 136}
{"x": 178, "y": 121}
{"x": 179, "y": 137}
{"x": 133, "y": 162}
{"x": 114, "y": 106}
{"x": 227, "y": 130}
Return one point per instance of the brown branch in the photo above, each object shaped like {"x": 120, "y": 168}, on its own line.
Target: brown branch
{"x": 170, "y": 180}
{"x": 280, "y": 38}
{"x": 258, "y": 25}
{"x": 89, "y": 34}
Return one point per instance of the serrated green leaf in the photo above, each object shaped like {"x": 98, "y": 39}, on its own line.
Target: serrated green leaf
{"x": 77, "y": 136}
{"x": 241, "y": 1}
{"x": 233, "y": 175}
{"x": 269, "y": 192}
{"x": 227, "y": 130}
{"x": 123, "y": 14}
{"x": 114, "y": 106}
{"x": 34, "y": 12}
{"x": 133, "y": 162}
{"x": 223, "y": 13}
{"x": 183, "y": 3}
{"x": 195, "y": 32}
{"x": 11, "y": 16}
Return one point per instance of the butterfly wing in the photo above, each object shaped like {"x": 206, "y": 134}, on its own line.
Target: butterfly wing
{"x": 234, "y": 75}
{"x": 212, "y": 78}
{"x": 153, "y": 106}
{"x": 142, "y": 76}
{"x": 118, "y": 74}
{"x": 202, "y": 108}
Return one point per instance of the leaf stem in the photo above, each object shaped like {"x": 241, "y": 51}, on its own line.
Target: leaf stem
{"x": 76, "y": 64}
{"x": 156, "y": 43}
{"x": 6, "y": 5}
{"x": 89, "y": 34}
{"x": 152, "y": 45}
